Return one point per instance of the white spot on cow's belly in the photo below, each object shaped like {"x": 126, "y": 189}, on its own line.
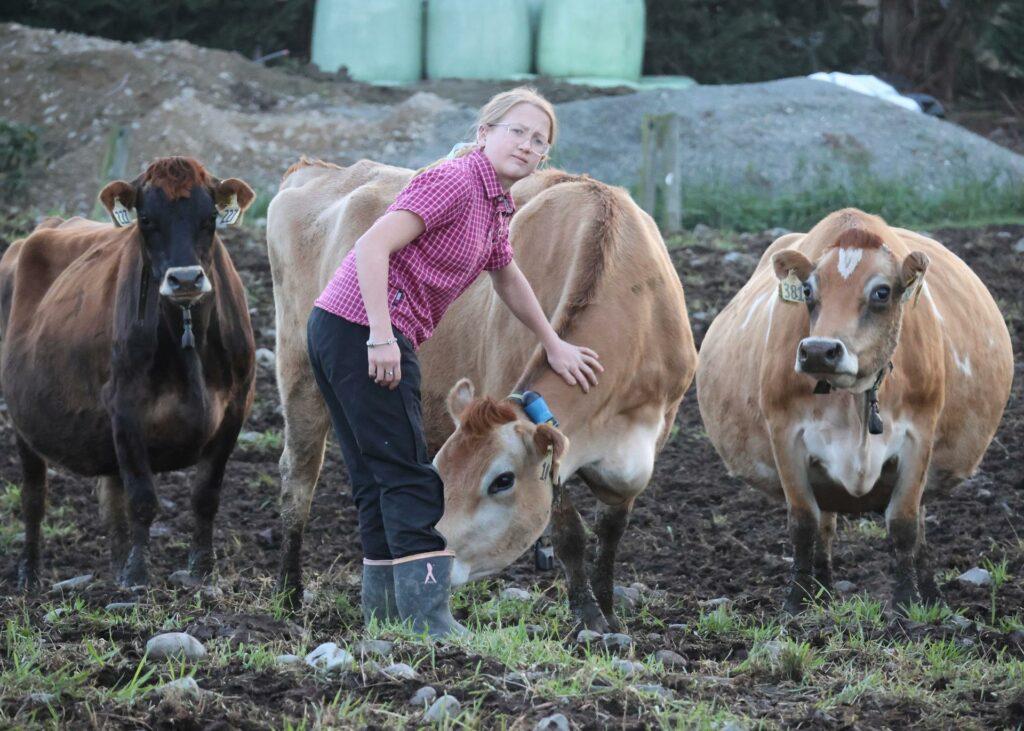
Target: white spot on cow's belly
{"x": 848, "y": 260}
{"x": 753, "y": 308}
{"x": 965, "y": 364}
{"x": 837, "y": 447}
{"x": 628, "y": 458}
{"x": 931, "y": 301}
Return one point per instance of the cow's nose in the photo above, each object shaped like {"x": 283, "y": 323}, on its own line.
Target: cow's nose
{"x": 820, "y": 355}
{"x": 185, "y": 284}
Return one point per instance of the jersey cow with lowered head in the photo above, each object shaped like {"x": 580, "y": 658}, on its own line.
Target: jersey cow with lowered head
{"x": 858, "y": 364}
{"x": 603, "y": 276}
{"x": 128, "y": 350}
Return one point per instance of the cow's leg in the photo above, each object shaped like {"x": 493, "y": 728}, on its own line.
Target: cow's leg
{"x": 804, "y": 517}
{"x": 570, "y": 543}
{"x": 33, "y": 507}
{"x": 305, "y": 434}
{"x": 904, "y": 519}
{"x": 206, "y": 493}
{"x": 823, "y": 551}
{"x": 114, "y": 508}
{"x": 610, "y": 527}
{"x": 930, "y": 592}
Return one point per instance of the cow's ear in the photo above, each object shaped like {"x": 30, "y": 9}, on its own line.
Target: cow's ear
{"x": 118, "y": 198}
{"x": 548, "y": 437}
{"x": 232, "y": 197}
{"x": 459, "y": 398}
{"x": 912, "y": 274}
{"x": 788, "y": 260}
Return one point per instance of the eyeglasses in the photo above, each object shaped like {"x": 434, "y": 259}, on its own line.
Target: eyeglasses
{"x": 519, "y": 133}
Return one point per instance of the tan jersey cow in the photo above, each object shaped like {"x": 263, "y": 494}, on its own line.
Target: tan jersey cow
{"x": 602, "y": 275}
{"x": 787, "y": 376}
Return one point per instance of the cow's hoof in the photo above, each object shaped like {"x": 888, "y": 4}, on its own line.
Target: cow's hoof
{"x": 930, "y": 592}
{"x": 28, "y": 577}
{"x": 903, "y": 599}
{"x": 134, "y": 572}
{"x": 289, "y": 593}
{"x": 200, "y": 563}
{"x": 797, "y": 600}
{"x": 590, "y": 616}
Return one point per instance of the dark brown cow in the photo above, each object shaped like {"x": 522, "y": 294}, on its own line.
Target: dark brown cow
{"x": 128, "y": 350}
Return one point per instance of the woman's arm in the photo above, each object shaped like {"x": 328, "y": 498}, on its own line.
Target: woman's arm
{"x": 575, "y": 364}
{"x": 389, "y": 234}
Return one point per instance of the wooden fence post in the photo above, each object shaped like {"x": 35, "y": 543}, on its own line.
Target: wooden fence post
{"x": 661, "y": 171}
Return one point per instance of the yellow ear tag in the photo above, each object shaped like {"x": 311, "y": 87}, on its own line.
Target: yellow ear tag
{"x": 122, "y": 216}
{"x": 229, "y": 213}
{"x": 791, "y": 289}
{"x": 545, "y": 468}
{"x": 913, "y": 289}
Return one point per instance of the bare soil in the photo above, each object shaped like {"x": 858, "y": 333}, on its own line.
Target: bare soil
{"x": 696, "y": 533}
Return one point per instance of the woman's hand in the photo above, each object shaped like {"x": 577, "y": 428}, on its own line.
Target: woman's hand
{"x": 385, "y": 365}
{"x": 574, "y": 363}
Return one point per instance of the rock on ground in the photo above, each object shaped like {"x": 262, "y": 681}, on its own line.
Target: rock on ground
{"x": 330, "y": 657}
{"x": 442, "y": 709}
{"x": 423, "y": 697}
{"x": 556, "y": 722}
{"x": 975, "y": 577}
{"x": 175, "y": 645}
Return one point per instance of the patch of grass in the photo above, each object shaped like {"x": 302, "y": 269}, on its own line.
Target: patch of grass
{"x": 871, "y": 529}
{"x": 270, "y": 440}
{"x": 972, "y": 202}
{"x": 929, "y": 613}
{"x": 1000, "y": 572}
{"x": 719, "y": 622}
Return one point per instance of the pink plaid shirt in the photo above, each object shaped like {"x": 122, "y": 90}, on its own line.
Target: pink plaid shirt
{"x": 466, "y": 215}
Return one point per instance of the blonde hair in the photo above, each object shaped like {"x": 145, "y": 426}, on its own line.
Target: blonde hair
{"x": 493, "y": 111}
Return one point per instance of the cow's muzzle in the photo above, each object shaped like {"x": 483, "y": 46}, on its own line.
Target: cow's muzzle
{"x": 825, "y": 356}
{"x": 184, "y": 286}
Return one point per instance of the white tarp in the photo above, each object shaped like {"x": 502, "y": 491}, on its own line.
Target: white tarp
{"x": 867, "y": 84}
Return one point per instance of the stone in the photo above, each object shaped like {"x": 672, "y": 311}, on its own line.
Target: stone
{"x": 41, "y": 699}
{"x": 287, "y": 660}
{"x": 975, "y": 577}
{"x": 960, "y": 622}
{"x": 626, "y": 598}
{"x": 627, "y": 667}
{"x": 159, "y": 530}
{"x": 183, "y": 579}
{"x": 175, "y": 645}
{"x": 654, "y": 637}
{"x": 180, "y": 688}
{"x": 120, "y": 607}
{"x": 677, "y": 629}
{"x": 737, "y": 257}
{"x": 703, "y": 231}
{"x": 720, "y": 601}
{"x": 308, "y": 596}
{"x": 670, "y": 659}
{"x": 533, "y": 631}
{"x": 556, "y": 722}
{"x": 733, "y": 726}
{"x": 617, "y": 641}
{"x": 1018, "y": 248}
{"x": 654, "y": 689}
{"x": 266, "y": 538}
{"x": 771, "y": 649}
{"x": 167, "y": 504}
{"x": 586, "y": 636}
{"x": 378, "y": 648}
{"x": 211, "y": 592}
{"x": 401, "y": 670}
{"x": 423, "y": 697}
{"x": 442, "y": 709}
{"x": 78, "y": 582}
{"x": 330, "y": 657}
{"x": 52, "y": 616}
{"x": 265, "y": 357}
{"x": 845, "y": 587}
{"x": 984, "y": 494}
{"x": 516, "y": 594}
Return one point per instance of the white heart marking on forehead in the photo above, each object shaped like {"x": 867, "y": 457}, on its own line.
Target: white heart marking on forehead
{"x": 849, "y": 258}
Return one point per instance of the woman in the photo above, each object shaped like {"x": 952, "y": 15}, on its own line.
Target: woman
{"x": 449, "y": 224}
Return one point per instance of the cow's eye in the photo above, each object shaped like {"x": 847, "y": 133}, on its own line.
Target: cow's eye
{"x": 808, "y": 291}
{"x": 501, "y": 483}
{"x": 881, "y": 294}
{"x": 144, "y": 220}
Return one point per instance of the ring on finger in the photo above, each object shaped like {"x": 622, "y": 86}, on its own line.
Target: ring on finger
{"x": 389, "y": 373}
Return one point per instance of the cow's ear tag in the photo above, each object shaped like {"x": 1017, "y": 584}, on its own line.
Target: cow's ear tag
{"x": 791, "y": 289}
{"x": 913, "y": 290}
{"x": 545, "y": 468}
{"x": 229, "y": 213}
{"x": 121, "y": 215}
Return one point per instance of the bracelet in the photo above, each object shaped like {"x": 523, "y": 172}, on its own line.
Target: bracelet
{"x": 389, "y": 341}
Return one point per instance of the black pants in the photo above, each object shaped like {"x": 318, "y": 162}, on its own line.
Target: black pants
{"x": 397, "y": 491}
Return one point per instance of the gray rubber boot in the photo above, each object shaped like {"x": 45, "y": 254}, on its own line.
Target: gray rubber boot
{"x": 378, "y": 593}
{"x": 423, "y": 585}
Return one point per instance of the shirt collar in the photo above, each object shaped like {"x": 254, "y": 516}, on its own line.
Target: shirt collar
{"x": 492, "y": 188}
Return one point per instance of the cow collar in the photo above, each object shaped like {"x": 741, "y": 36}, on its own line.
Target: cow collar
{"x": 874, "y": 419}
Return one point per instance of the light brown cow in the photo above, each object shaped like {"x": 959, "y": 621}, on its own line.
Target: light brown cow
{"x": 603, "y": 276}
{"x": 786, "y": 387}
